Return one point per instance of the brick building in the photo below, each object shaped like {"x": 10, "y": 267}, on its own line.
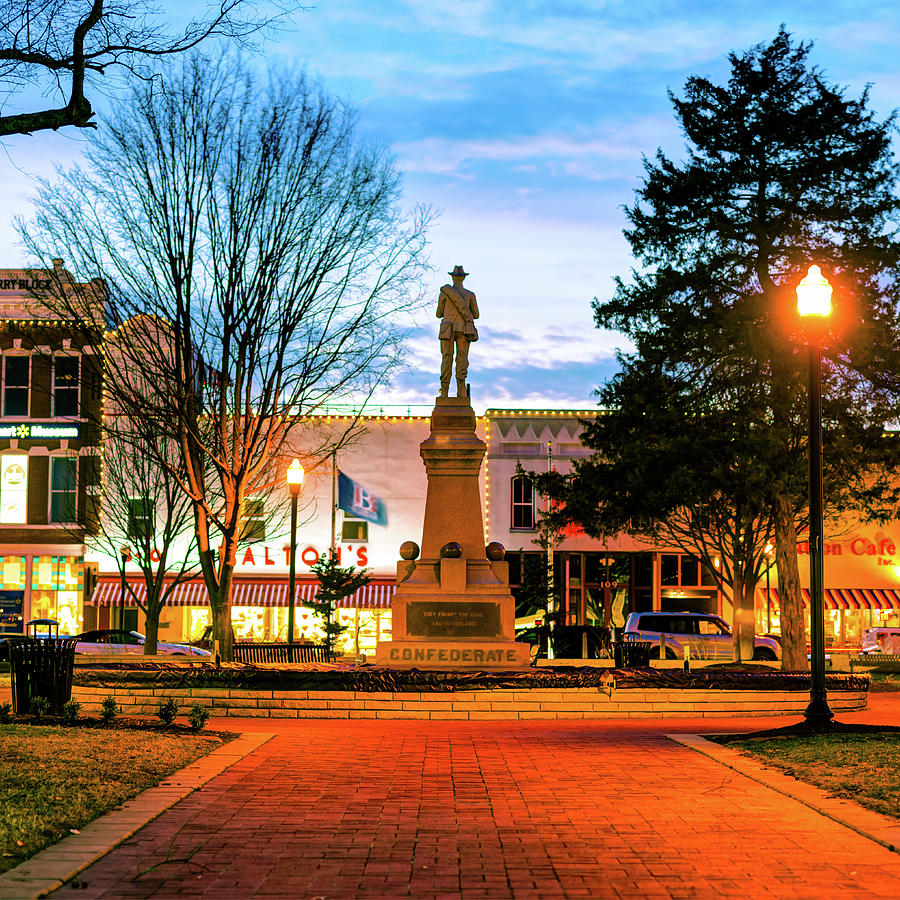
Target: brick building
{"x": 50, "y": 407}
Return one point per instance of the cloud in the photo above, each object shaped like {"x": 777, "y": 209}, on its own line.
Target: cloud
{"x": 538, "y": 349}
{"x": 450, "y": 156}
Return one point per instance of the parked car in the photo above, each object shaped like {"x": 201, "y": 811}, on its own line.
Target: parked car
{"x": 708, "y": 636}
{"x": 114, "y": 640}
{"x": 36, "y": 628}
{"x": 205, "y": 641}
{"x": 881, "y": 640}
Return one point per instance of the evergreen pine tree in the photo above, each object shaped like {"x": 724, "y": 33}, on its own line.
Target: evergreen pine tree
{"x": 782, "y": 170}
{"x": 335, "y": 583}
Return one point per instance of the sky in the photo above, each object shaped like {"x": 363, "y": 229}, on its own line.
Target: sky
{"x": 523, "y": 124}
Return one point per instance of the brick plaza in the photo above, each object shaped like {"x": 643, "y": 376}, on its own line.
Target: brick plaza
{"x": 549, "y": 809}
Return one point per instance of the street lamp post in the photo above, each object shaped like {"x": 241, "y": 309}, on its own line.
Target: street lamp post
{"x": 814, "y": 304}
{"x": 124, "y": 553}
{"x": 768, "y": 553}
{"x": 295, "y": 482}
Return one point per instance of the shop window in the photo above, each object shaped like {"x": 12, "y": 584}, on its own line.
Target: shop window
{"x": 63, "y": 488}
{"x": 13, "y": 489}
{"x": 668, "y": 569}
{"x": 141, "y": 519}
{"x": 522, "y": 503}
{"x": 354, "y": 529}
{"x": 690, "y": 570}
{"x": 66, "y": 383}
{"x": 684, "y": 571}
{"x": 643, "y": 569}
{"x": 16, "y": 381}
{"x": 254, "y": 525}
{"x": 575, "y": 569}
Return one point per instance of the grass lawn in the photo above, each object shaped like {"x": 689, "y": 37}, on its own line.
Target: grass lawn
{"x": 864, "y": 767}
{"x": 55, "y": 779}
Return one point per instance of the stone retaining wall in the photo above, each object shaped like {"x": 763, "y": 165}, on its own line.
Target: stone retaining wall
{"x": 566, "y": 703}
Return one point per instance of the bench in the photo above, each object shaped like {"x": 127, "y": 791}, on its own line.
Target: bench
{"x": 877, "y": 662}
{"x": 252, "y": 652}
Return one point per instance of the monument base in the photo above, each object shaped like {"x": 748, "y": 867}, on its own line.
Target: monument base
{"x": 453, "y": 654}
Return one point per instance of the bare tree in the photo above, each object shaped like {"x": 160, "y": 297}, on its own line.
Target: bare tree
{"x": 57, "y": 45}
{"x": 145, "y": 510}
{"x": 267, "y": 246}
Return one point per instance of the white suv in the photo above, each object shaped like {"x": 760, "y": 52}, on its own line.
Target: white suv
{"x": 708, "y": 636}
{"x": 881, "y": 640}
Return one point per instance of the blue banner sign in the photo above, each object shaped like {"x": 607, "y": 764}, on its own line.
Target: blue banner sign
{"x": 360, "y": 502}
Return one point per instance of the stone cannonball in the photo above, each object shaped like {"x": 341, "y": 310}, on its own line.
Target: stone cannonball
{"x": 409, "y": 550}
{"x": 451, "y": 550}
{"x": 495, "y": 551}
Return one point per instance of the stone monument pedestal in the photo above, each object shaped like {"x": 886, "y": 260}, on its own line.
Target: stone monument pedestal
{"x": 452, "y": 608}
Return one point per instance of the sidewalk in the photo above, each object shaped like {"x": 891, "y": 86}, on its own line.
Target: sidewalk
{"x": 345, "y": 809}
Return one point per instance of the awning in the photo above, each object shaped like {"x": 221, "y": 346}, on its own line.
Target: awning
{"x": 247, "y": 592}
{"x": 845, "y": 598}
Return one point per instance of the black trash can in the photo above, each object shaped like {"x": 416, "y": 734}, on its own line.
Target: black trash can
{"x": 41, "y": 667}
{"x": 633, "y": 654}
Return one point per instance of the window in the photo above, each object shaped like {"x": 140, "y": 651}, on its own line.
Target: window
{"x": 354, "y": 529}
{"x": 668, "y": 569}
{"x": 522, "y": 503}
{"x": 690, "y": 570}
{"x": 685, "y": 571}
{"x": 63, "y": 488}
{"x": 712, "y": 626}
{"x": 13, "y": 489}
{"x": 141, "y": 519}
{"x": 520, "y": 448}
{"x": 254, "y": 527}
{"x": 16, "y": 376}
{"x": 66, "y": 370}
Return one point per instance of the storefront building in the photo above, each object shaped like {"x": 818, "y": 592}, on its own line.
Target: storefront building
{"x": 597, "y": 584}
{"x": 862, "y": 582}
{"x": 383, "y": 458}
{"x": 50, "y": 401}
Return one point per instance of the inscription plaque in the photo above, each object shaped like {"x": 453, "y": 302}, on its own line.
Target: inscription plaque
{"x": 438, "y": 619}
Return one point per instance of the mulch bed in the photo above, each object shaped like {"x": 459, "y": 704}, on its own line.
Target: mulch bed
{"x": 338, "y": 677}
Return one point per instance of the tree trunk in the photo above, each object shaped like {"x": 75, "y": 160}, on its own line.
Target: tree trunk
{"x": 220, "y": 606}
{"x": 221, "y": 616}
{"x": 793, "y": 619}
{"x": 743, "y": 625}
{"x": 151, "y": 628}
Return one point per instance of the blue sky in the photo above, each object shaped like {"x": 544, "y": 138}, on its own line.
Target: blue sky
{"x": 523, "y": 122}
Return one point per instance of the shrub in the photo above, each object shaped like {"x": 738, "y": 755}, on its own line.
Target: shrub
{"x": 198, "y": 717}
{"x": 109, "y": 709}
{"x": 70, "y": 712}
{"x": 167, "y": 711}
{"x": 5, "y": 712}
{"x": 40, "y": 706}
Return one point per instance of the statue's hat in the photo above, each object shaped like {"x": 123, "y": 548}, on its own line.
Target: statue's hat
{"x": 458, "y": 270}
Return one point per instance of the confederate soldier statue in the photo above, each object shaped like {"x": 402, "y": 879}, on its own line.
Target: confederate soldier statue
{"x": 457, "y": 311}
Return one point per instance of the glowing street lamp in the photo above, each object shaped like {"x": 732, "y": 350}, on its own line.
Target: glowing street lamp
{"x": 294, "y": 479}
{"x": 813, "y": 304}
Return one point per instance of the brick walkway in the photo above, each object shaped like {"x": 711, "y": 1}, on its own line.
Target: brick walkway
{"x": 345, "y": 809}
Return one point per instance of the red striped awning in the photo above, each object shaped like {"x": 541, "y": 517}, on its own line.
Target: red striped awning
{"x": 846, "y": 598}
{"x": 247, "y": 592}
